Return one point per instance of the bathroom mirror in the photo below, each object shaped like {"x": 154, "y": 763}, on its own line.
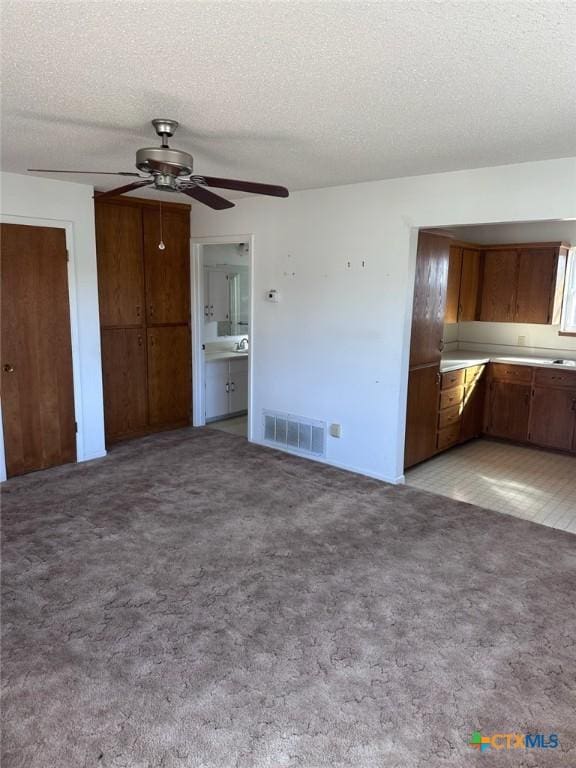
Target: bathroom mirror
{"x": 226, "y": 291}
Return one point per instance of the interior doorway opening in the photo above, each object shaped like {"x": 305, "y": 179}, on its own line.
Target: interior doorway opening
{"x": 222, "y": 334}
{"x": 491, "y": 416}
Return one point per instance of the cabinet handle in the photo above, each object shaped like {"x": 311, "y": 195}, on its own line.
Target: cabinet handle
{"x": 440, "y": 345}
{"x": 138, "y": 310}
{"x": 227, "y": 387}
{"x": 151, "y": 310}
{"x": 233, "y": 385}
{"x": 8, "y": 368}
{"x": 139, "y": 341}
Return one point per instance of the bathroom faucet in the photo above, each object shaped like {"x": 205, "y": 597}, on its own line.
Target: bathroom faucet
{"x": 242, "y": 344}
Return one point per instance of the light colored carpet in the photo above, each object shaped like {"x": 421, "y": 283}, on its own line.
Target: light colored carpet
{"x": 194, "y": 601}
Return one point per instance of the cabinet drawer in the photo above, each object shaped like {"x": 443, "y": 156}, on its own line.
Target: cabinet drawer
{"x": 473, "y": 373}
{"x": 546, "y": 377}
{"x": 450, "y": 397}
{"x": 518, "y": 373}
{"x": 448, "y": 436}
{"x": 453, "y": 379}
{"x": 449, "y": 416}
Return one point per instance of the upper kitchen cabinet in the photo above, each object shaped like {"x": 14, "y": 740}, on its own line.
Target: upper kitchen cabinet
{"x": 523, "y": 283}
{"x": 499, "y": 278}
{"x": 463, "y": 283}
{"x": 430, "y": 289}
{"x": 120, "y": 265}
{"x": 167, "y": 270}
{"x": 536, "y": 285}
{"x": 469, "y": 284}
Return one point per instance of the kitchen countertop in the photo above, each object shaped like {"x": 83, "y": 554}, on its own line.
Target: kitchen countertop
{"x": 464, "y": 358}
{"x": 225, "y": 355}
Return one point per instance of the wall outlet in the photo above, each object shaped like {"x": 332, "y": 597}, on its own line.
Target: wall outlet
{"x": 521, "y": 341}
{"x": 335, "y": 430}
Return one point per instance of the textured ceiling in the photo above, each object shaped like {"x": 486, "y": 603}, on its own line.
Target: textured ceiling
{"x": 307, "y": 94}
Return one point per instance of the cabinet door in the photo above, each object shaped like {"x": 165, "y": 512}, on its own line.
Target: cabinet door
{"x": 238, "y": 385}
{"x": 536, "y": 285}
{"x": 429, "y": 299}
{"x": 499, "y": 278}
{"x": 553, "y": 418}
{"x": 469, "y": 285}
{"x": 218, "y": 295}
{"x": 217, "y": 398}
{"x": 124, "y": 382}
{"x": 120, "y": 264}
{"x": 472, "y": 410}
{"x": 169, "y": 375}
{"x": 167, "y": 271}
{"x": 508, "y": 410}
{"x": 453, "y": 289}
{"x": 422, "y": 414}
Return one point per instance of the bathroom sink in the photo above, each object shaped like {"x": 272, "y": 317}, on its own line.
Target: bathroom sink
{"x": 240, "y": 351}
{"x": 570, "y": 363}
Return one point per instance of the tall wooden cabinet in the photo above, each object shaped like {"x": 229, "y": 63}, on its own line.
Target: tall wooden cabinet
{"x": 144, "y": 295}
{"x": 430, "y": 290}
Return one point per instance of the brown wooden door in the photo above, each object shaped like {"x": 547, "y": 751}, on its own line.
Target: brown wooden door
{"x": 508, "y": 410}
{"x": 553, "y": 418}
{"x": 422, "y": 414}
{"x": 37, "y": 382}
{"x": 499, "y": 279}
{"x": 469, "y": 285}
{"x": 120, "y": 265}
{"x": 124, "y": 381}
{"x": 169, "y": 375}
{"x": 536, "y": 285}
{"x": 453, "y": 289}
{"x": 429, "y": 299}
{"x": 168, "y": 270}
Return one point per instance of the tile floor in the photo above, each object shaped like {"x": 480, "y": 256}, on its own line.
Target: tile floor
{"x": 526, "y": 482}
{"x": 236, "y": 426}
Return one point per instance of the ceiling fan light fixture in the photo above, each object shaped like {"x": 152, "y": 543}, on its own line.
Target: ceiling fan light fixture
{"x": 164, "y": 160}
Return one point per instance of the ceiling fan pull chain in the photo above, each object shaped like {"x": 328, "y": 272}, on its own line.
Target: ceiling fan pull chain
{"x": 161, "y": 245}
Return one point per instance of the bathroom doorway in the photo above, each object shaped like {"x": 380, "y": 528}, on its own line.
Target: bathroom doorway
{"x": 222, "y": 315}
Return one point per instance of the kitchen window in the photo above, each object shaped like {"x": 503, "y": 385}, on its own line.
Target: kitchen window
{"x": 568, "y": 321}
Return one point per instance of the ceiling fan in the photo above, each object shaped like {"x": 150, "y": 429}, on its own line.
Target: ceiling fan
{"x": 171, "y": 170}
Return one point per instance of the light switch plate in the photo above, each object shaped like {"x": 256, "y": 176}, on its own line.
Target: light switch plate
{"x": 335, "y": 430}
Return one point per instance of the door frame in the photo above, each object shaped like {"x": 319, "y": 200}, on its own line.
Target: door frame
{"x": 197, "y": 322}
{"x": 68, "y": 228}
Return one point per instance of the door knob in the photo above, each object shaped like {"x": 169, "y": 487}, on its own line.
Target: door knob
{"x": 8, "y": 368}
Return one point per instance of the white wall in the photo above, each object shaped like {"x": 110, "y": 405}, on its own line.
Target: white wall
{"x": 54, "y": 202}
{"x": 503, "y": 337}
{"x": 336, "y": 346}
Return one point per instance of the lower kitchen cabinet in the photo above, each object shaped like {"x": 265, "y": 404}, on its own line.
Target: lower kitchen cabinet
{"x": 473, "y": 403}
{"x": 553, "y": 418}
{"x": 422, "y": 414}
{"x": 508, "y": 410}
{"x": 226, "y": 387}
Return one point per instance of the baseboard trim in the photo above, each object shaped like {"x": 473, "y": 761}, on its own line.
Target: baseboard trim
{"x": 356, "y": 470}
{"x": 92, "y": 456}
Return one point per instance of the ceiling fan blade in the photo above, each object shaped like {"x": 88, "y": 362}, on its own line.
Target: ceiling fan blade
{"x": 244, "y": 186}
{"x": 100, "y": 173}
{"x": 208, "y": 198}
{"x": 122, "y": 190}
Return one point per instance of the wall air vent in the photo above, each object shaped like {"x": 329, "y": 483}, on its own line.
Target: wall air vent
{"x": 294, "y": 433}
